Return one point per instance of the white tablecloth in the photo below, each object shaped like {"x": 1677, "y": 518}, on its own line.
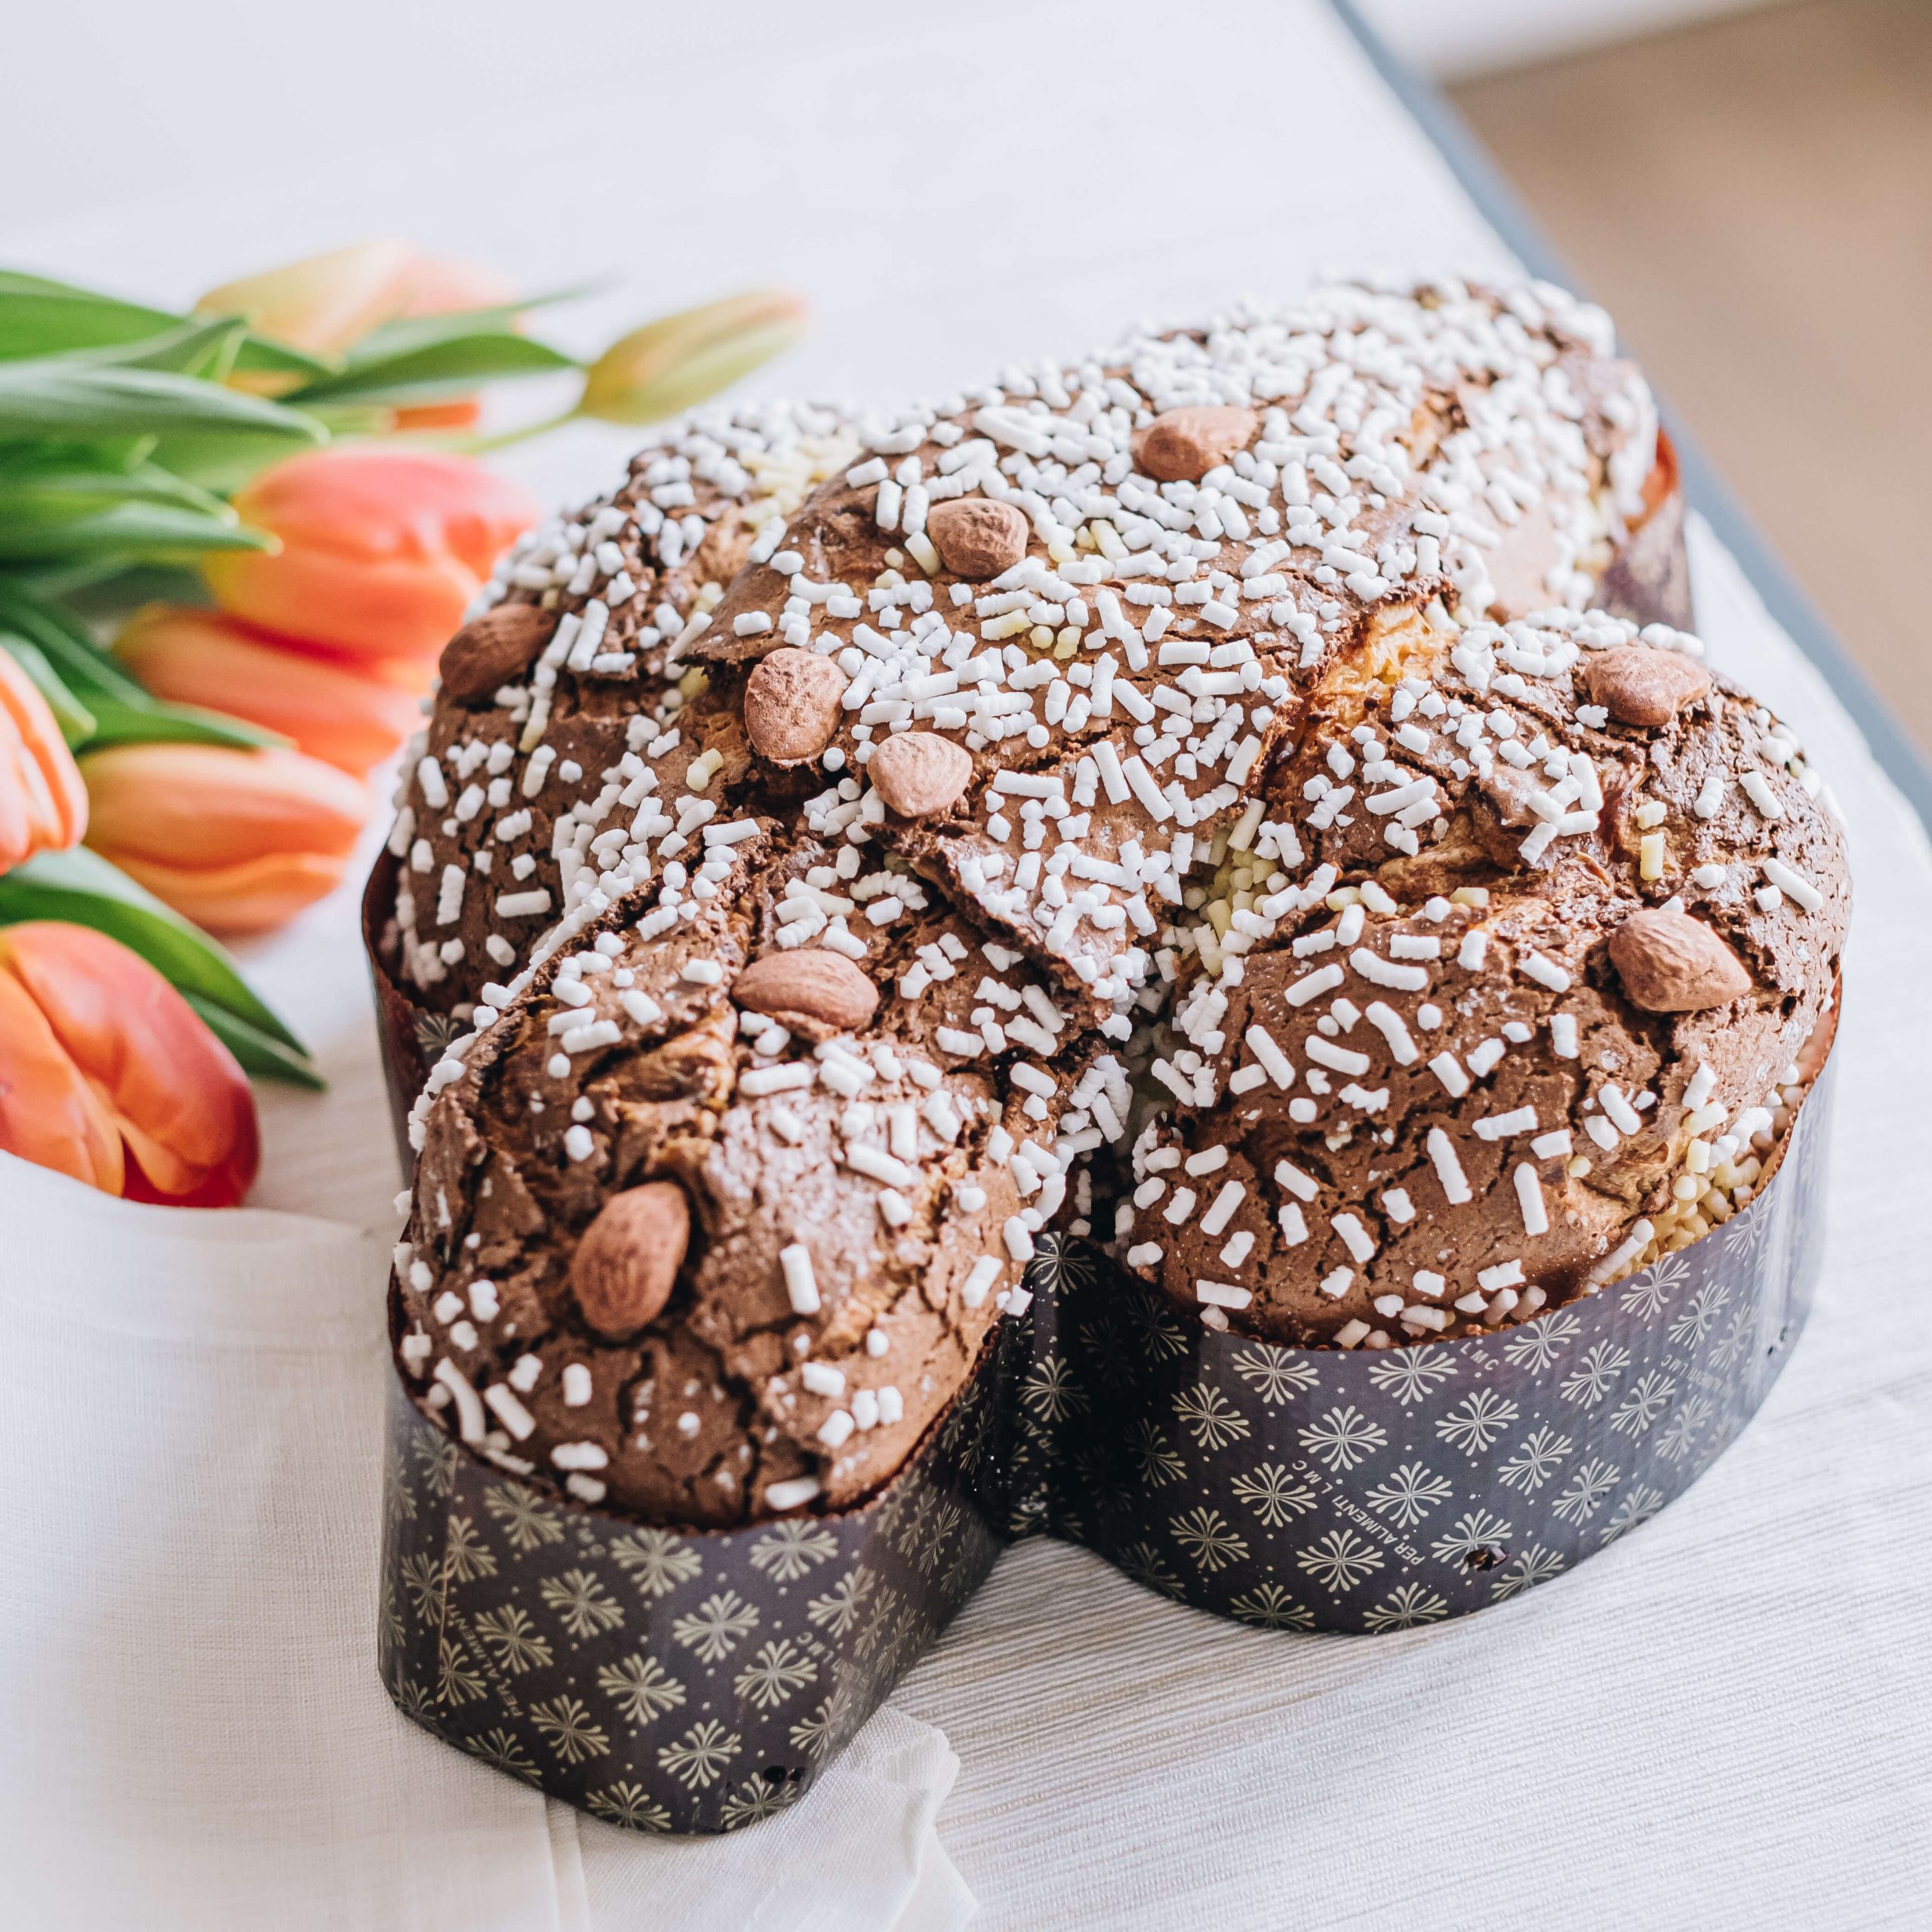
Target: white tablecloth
{"x": 1722, "y": 1721}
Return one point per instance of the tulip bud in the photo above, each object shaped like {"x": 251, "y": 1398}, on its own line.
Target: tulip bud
{"x": 381, "y": 549}
{"x": 669, "y": 365}
{"x": 323, "y": 303}
{"x": 43, "y": 804}
{"x": 350, "y": 716}
{"x": 107, "y": 1074}
{"x": 237, "y": 841}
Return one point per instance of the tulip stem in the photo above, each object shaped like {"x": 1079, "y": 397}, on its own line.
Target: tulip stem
{"x": 504, "y": 439}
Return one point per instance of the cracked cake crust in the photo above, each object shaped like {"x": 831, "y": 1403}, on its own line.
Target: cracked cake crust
{"x": 1153, "y": 751}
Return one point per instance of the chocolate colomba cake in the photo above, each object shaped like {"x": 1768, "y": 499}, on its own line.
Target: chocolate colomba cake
{"x": 563, "y": 669}
{"x": 714, "y": 1222}
{"x": 1391, "y": 446}
{"x": 1177, "y": 798}
{"x": 1076, "y": 618}
{"x": 1441, "y": 1087}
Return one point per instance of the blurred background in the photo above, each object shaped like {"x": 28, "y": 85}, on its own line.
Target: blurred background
{"x": 1744, "y": 184}
{"x": 1748, "y": 186}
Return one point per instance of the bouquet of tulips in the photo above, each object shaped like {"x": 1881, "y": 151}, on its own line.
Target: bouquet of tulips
{"x": 231, "y": 543}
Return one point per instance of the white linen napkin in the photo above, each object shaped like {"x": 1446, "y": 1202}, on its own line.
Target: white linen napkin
{"x": 192, "y": 1733}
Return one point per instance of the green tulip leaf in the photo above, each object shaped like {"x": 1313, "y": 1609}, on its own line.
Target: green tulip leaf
{"x": 83, "y": 888}
{"x": 77, "y": 723}
{"x": 222, "y": 461}
{"x": 134, "y": 532}
{"x": 257, "y": 1052}
{"x": 204, "y": 349}
{"x": 124, "y": 714}
{"x": 413, "y": 332}
{"x": 81, "y": 664}
{"x": 74, "y": 401}
{"x": 152, "y": 721}
{"x": 42, "y": 318}
{"x": 262, "y": 356}
{"x": 436, "y": 371}
{"x": 63, "y": 482}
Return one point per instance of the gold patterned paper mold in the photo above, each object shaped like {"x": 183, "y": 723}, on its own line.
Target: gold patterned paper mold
{"x": 675, "y": 1681}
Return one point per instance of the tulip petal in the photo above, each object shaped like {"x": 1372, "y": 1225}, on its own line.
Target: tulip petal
{"x": 387, "y": 608}
{"x": 207, "y": 805}
{"x": 43, "y": 802}
{"x": 328, "y": 708}
{"x": 323, "y": 303}
{"x": 49, "y": 1114}
{"x": 173, "y": 1091}
{"x": 19, "y": 792}
{"x": 1663, "y": 478}
{"x": 238, "y": 841}
{"x": 447, "y": 285}
{"x": 81, "y": 888}
{"x": 252, "y": 896}
{"x": 463, "y": 413}
{"x": 381, "y": 548}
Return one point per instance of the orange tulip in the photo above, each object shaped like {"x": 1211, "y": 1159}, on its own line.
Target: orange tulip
{"x": 326, "y": 303}
{"x": 331, "y": 708}
{"x": 43, "y": 804}
{"x": 442, "y": 285}
{"x": 107, "y": 1074}
{"x": 460, "y": 412}
{"x": 380, "y": 548}
{"x": 323, "y": 303}
{"x": 238, "y": 842}
{"x": 48, "y": 1113}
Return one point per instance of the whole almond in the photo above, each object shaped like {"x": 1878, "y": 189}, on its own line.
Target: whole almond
{"x": 1182, "y": 445}
{"x": 628, "y": 1260}
{"x": 919, "y": 773}
{"x": 807, "y": 989}
{"x": 976, "y": 537}
{"x": 492, "y": 650}
{"x": 1670, "y": 963}
{"x": 791, "y": 705}
{"x": 1639, "y": 685}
